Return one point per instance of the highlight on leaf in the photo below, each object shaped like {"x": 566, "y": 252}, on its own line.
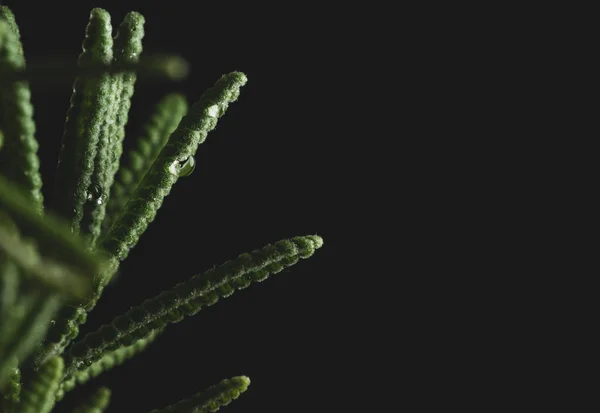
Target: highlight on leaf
{"x": 211, "y": 399}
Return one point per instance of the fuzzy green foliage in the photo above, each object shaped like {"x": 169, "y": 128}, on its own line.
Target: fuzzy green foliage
{"x": 39, "y": 392}
{"x": 18, "y": 157}
{"x": 56, "y": 261}
{"x": 211, "y": 399}
{"x": 188, "y": 298}
{"x": 110, "y": 359}
{"x": 25, "y": 326}
{"x": 62, "y": 332}
{"x": 166, "y": 117}
{"x": 49, "y": 233}
{"x": 128, "y": 47}
{"x": 90, "y": 102}
{"x": 97, "y": 402}
{"x": 147, "y": 198}
{"x": 59, "y": 71}
{"x": 12, "y": 394}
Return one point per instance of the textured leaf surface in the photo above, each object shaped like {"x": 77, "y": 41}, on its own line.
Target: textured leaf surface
{"x": 183, "y": 143}
{"x": 188, "y": 298}
{"x": 18, "y": 158}
{"x": 211, "y": 399}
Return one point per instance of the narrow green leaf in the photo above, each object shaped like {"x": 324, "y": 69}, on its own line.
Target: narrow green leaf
{"x": 9, "y": 18}
{"x": 64, "y": 330}
{"x": 26, "y": 326}
{"x": 211, "y": 399}
{"x": 67, "y": 324}
{"x": 183, "y": 143}
{"x": 52, "y": 237}
{"x": 188, "y": 298}
{"x": 18, "y": 158}
{"x": 127, "y": 48}
{"x": 57, "y": 258}
{"x": 89, "y": 104}
{"x": 12, "y": 394}
{"x": 167, "y": 115}
{"x": 66, "y": 327}
{"x": 38, "y": 392}
{"x": 9, "y": 284}
{"x": 97, "y": 403}
{"x": 107, "y": 362}
{"x": 57, "y": 71}
{"x": 46, "y": 270}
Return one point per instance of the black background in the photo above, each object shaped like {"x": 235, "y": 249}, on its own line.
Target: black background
{"x": 272, "y": 169}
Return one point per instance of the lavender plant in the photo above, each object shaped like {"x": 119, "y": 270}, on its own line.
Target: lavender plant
{"x": 58, "y": 255}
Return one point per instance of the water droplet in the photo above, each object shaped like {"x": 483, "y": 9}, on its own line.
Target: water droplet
{"x": 184, "y": 167}
{"x": 213, "y": 111}
{"x": 188, "y": 167}
{"x": 95, "y": 194}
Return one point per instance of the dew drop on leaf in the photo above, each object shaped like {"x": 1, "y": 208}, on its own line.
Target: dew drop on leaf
{"x": 95, "y": 194}
{"x": 184, "y": 167}
{"x": 188, "y": 167}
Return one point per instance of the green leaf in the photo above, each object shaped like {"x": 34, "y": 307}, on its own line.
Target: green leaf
{"x": 64, "y": 330}
{"x": 183, "y": 143}
{"x": 18, "y": 158}
{"x": 26, "y": 326}
{"x": 39, "y": 390}
{"x": 9, "y": 284}
{"x": 107, "y": 362}
{"x": 211, "y": 399}
{"x": 167, "y": 115}
{"x": 53, "y": 239}
{"x": 12, "y": 395}
{"x": 7, "y": 15}
{"x": 46, "y": 270}
{"x": 127, "y": 48}
{"x": 97, "y": 403}
{"x": 188, "y": 298}
{"x": 90, "y": 102}
{"x": 56, "y": 70}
